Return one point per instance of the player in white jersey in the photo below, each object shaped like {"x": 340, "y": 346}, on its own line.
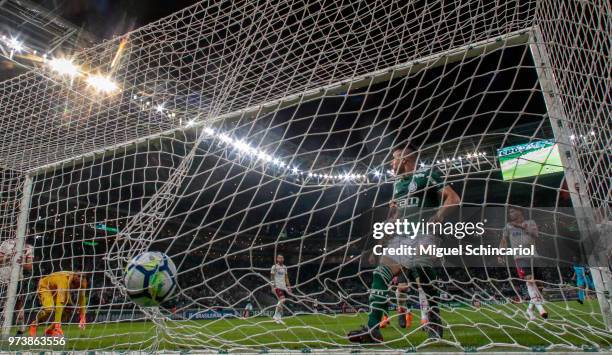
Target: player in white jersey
{"x": 7, "y": 253}
{"x": 520, "y": 231}
{"x": 280, "y": 285}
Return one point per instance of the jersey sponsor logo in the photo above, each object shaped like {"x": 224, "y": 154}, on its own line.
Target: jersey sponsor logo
{"x": 408, "y": 202}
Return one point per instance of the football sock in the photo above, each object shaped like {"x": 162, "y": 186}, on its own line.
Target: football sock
{"x": 401, "y": 300}
{"x": 581, "y": 294}
{"x": 424, "y": 305}
{"x": 378, "y": 295}
{"x": 534, "y": 295}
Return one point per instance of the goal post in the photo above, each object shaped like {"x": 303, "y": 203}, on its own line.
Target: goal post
{"x": 597, "y": 245}
{"x": 15, "y": 275}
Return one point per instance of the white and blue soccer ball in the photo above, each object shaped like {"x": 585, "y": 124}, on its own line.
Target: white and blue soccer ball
{"x": 150, "y": 278}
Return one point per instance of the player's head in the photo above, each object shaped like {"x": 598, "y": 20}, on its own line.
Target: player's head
{"x": 515, "y": 213}
{"x": 76, "y": 281}
{"x": 404, "y": 158}
{"x": 280, "y": 259}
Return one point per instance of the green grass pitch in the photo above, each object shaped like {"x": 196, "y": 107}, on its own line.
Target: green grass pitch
{"x": 570, "y": 325}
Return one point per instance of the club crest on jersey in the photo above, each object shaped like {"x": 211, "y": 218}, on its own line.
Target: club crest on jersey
{"x": 412, "y": 187}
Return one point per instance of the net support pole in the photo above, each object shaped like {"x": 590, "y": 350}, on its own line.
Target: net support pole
{"x": 22, "y": 221}
{"x": 575, "y": 179}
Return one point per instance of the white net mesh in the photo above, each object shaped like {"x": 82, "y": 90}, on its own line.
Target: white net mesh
{"x": 242, "y": 130}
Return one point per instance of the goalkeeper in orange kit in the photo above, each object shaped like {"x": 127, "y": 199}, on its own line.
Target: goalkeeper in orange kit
{"x": 54, "y": 294}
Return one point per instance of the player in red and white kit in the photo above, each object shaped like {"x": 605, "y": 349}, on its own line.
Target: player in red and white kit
{"x": 8, "y": 249}
{"x": 522, "y": 232}
{"x": 280, "y": 285}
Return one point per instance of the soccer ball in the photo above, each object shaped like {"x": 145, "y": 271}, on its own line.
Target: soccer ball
{"x": 150, "y": 278}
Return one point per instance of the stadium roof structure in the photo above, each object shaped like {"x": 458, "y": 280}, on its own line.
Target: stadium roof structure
{"x": 197, "y": 70}
{"x": 45, "y": 30}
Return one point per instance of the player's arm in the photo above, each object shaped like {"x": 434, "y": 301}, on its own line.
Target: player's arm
{"x": 393, "y": 212}
{"x": 82, "y": 303}
{"x": 287, "y": 281}
{"x": 272, "y": 273}
{"x": 503, "y": 243}
{"x": 450, "y": 199}
{"x": 28, "y": 258}
{"x": 4, "y": 255}
{"x": 531, "y": 228}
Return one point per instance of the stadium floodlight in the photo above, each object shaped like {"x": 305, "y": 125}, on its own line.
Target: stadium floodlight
{"x": 209, "y": 131}
{"x": 15, "y": 45}
{"x": 225, "y": 138}
{"x": 101, "y": 83}
{"x": 159, "y": 108}
{"x": 64, "y": 66}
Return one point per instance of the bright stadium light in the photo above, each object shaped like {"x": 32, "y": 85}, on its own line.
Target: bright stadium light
{"x": 191, "y": 123}
{"x": 159, "y": 108}
{"x": 102, "y": 83}
{"x": 15, "y": 45}
{"x": 225, "y": 138}
{"x": 64, "y": 66}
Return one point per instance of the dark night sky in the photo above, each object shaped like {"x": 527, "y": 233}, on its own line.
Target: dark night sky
{"x": 106, "y": 18}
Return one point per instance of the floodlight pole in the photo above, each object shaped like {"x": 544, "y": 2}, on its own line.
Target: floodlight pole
{"x": 22, "y": 222}
{"x": 576, "y": 182}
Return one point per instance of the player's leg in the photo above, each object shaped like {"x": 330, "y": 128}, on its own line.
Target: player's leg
{"x": 427, "y": 276}
{"x": 404, "y": 316}
{"x": 44, "y": 315}
{"x": 55, "y": 328}
{"x": 378, "y": 300}
{"x": 580, "y": 284}
{"x": 379, "y": 295}
{"x": 278, "y": 312}
{"x": 535, "y": 298}
{"x": 423, "y": 304}
{"x": 19, "y": 303}
{"x": 590, "y": 285}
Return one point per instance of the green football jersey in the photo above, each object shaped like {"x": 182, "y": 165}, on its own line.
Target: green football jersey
{"x": 417, "y": 193}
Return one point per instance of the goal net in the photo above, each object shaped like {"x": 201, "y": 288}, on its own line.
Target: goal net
{"x": 232, "y": 132}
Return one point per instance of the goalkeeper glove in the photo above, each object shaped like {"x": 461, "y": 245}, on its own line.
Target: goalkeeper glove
{"x": 82, "y": 321}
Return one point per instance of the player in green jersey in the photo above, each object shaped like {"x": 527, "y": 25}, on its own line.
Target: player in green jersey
{"x": 418, "y": 194}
